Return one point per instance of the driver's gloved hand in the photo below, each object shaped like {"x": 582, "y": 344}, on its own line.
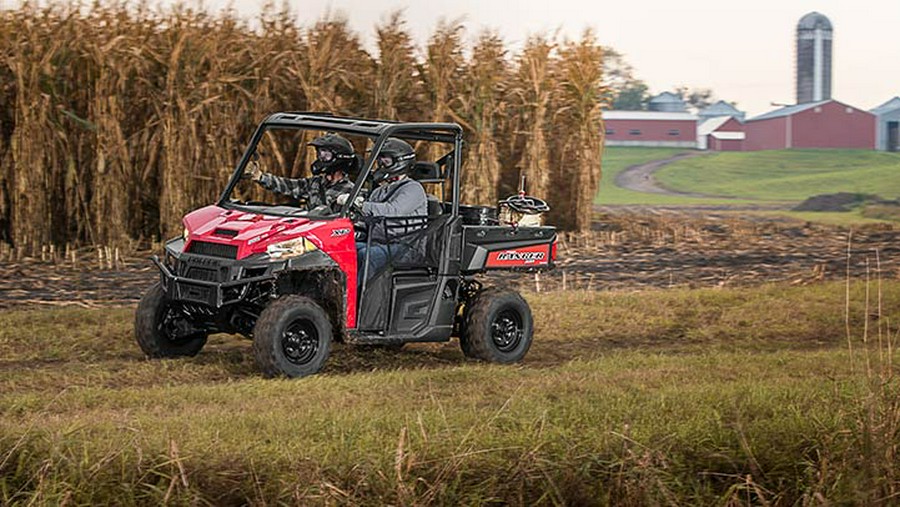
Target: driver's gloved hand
{"x": 342, "y": 199}
{"x": 253, "y": 172}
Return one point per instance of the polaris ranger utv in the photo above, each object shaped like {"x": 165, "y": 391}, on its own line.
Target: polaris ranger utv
{"x": 286, "y": 277}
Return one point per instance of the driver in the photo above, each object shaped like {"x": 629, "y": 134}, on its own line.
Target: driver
{"x": 397, "y": 195}
{"x": 335, "y": 160}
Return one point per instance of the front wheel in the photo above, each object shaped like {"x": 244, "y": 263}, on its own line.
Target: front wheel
{"x": 292, "y": 338}
{"x": 498, "y": 326}
{"x": 162, "y": 330}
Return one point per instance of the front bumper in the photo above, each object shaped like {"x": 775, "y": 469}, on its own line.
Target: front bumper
{"x": 211, "y": 293}
{"x": 208, "y": 280}
{"x": 218, "y": 281}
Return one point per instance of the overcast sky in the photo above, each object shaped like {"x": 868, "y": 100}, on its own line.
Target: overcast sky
{"x": 742, "y": 50}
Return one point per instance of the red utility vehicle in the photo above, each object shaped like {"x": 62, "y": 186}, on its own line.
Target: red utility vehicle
{"x": 286, "y": 276}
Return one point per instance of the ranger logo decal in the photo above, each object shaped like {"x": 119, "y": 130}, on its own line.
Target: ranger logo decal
{"x": 339, "y": 232}
{"x": 512, "y": 255}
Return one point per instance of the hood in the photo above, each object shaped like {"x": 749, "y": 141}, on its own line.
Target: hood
{"x": 251, "y": 232}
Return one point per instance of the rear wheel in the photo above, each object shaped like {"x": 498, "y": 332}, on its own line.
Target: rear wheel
{"x": 498, "y": 326}
{"x": 292, "y": 337}
{"x": 162, "y": 330}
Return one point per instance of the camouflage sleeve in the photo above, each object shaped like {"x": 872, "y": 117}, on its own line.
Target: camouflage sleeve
{"x": 293, "y": 187}
{"x": 332, "y": 192}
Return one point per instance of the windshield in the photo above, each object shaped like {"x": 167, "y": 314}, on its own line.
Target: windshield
{"x": 297, "y": 172}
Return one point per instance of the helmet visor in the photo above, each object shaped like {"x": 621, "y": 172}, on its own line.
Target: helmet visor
{"x": 324, "y": 155}
{"x": 385, "y": 161}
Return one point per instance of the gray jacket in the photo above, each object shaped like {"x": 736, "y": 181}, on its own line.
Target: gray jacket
{"x": 404, "y": 198}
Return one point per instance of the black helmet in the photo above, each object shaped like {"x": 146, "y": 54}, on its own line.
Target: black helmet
{"x": 333, "y": 153}
{"x": 395, "y": 158}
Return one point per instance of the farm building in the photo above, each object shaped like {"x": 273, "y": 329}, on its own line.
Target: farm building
{"x": 822, "y": 124}
{"x": 888, "y": 130}
{"x": 651, "y": 128}
{"x": 722, "y": 133}
{"x": 667, "y": 123}
{"x": 721, "y": 108}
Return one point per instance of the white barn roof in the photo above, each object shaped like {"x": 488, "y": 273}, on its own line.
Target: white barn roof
{"x": 711, "y": 125}
{"x": 648, "y": 115}
{"x": 729, "y": 136}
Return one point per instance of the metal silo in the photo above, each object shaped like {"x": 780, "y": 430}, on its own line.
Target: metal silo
{"x": 667, "y": 102}
{"x": 814, "y": 36}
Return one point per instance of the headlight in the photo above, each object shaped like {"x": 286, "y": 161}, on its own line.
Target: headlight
{"x": 290, "y": 248}
{"x": 185, "y": 235}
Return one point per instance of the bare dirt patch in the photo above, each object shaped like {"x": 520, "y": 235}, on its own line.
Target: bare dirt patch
{"x": 841, "y": 201}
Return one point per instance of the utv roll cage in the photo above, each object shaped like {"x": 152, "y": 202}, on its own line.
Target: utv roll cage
{"x": 377, "y": 130}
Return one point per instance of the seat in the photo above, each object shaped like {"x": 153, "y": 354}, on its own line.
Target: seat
{"x": 425, "y": 246}
{"x": 435, "y": 208}
{"x": 426, "y": 172}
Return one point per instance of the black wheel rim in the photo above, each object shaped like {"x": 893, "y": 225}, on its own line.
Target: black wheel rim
{"x": 507, "y": 330}
{"x": 300, "y": 342}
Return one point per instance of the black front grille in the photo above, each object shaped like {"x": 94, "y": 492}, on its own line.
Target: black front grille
{"x": 206, "y": 275}
{"x": 196, "y": 293}
{"x": 213, "y": 249}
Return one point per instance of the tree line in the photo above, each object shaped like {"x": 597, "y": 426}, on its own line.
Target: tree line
{"x": 626, "y": 92}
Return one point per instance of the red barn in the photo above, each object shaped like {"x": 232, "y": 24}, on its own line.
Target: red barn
{"x": 823, "y": 124}
{"x": 650, "y": 128}
{"x": 722, "y": 133}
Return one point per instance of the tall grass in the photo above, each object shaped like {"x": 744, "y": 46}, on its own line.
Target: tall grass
{"x": 580, "y": 129}
{"x": 440, "y": 72}
{"x": 720, "y": 396}
{"x": 396, "y": 89}
{"x": 115, "y": 120}
{"x": 484, "y": 86}
{"x": 530, "y": 98}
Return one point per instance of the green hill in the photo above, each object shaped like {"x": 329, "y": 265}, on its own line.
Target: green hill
{"x": 788, "y": 175}
{"x": 764, "y": 178}
{"x": 616, "y": 159}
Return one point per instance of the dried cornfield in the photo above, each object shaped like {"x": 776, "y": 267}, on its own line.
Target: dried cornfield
{"x": 115, "y": 120}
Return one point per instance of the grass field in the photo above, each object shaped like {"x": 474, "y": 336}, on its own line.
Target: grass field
{"x": 767, "y": 178}
{"x": 661, "y": 397}
{"x": 789, "y": 175}
{"x": 617, "y": 158}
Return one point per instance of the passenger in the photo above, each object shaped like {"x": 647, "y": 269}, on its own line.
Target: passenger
{"x": 335, "y": 160}
{"x": 397, "y": 195}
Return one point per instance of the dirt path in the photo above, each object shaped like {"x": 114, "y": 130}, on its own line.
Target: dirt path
{"x": 639, "y": 178}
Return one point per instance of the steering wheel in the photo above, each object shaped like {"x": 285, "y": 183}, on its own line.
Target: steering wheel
{"x": 526, "y": 204}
